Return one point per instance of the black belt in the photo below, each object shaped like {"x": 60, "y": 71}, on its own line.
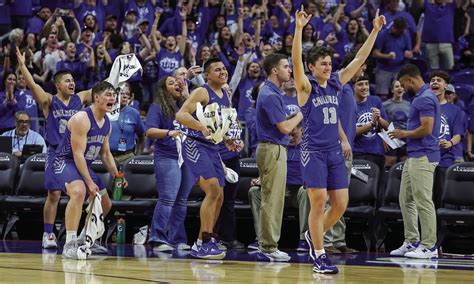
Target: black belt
{"x": 120, "y": 153}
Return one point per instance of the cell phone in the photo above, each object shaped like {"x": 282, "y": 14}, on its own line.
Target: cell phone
{"x": 63, "y": 12}
{"x": 158, "y": 9}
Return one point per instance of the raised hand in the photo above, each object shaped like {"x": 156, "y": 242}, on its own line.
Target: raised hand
{"x": 302, "y": 18}
{"x": 20, "y": 56}
{"x": 378, "y": 21}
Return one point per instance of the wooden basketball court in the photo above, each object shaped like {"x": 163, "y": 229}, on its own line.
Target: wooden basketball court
{"x": 140, "y": 264}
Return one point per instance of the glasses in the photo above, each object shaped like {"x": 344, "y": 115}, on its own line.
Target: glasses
{"x": 22, "y": 121}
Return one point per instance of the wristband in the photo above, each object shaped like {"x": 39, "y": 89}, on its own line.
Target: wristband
{"x": 168, "y": 133}
{"x": 452, "y": 144}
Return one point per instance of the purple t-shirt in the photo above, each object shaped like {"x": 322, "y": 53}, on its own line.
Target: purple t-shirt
{"x": 291, "y": 105}
{"x": 251, "y": 125}
{"x": 26, "y": 99}
{"x": 293, "y": 172}
{"x": 270, "y": 110}
{"x": 7, "y": 112}
{"x": 245, "y": 96}
{"x": 168, "y": 62}
{"x": 438, "y": 26}
{"x": 424, "y": 104}
{"x": 347, "y": 112}
{"x": 34, "y": 25}
{"x": 386, "y": 42}
{"x": 451, "y": 124}
{"x": 320, "y": 116}
{"x": 370, "y": 142}
{"x": 165, "y": 147}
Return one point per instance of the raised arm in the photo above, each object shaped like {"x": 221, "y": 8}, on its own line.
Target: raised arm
{"x": 347, "y": 73}
{"x": 184, "y": 31}
{"x": 302, "y": 84}
{"x": 337, "y": 15}
{"x": 41, "y": 97}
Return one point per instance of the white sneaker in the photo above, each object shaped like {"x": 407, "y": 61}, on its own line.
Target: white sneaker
{"x": 406, "y": 247}
{"x": 72, "y": 251}
{"x": 423, "y": 252}
{"x": 163, "y": 247}
{"x": 183, "y": 246}
{"x": 277, "y": 255}
{"x": 49, "y": 241}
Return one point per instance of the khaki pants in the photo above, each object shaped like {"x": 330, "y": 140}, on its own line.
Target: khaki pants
{"x": 271, "y": 162}
{"x": 122, "y": 158}
{"x": 416, "y": 190}
{"x": 295, "y": 198}
{"x": 336, "y": 235}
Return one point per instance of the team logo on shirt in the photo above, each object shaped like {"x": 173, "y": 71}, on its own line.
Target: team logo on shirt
{"x": 169, "y": 64}
{"x": 363, "y": 119}
{"x": 292, "y": 109}
{"x": 444, "y": 130}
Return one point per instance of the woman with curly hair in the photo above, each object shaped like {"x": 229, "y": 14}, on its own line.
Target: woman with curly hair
{"x": 174, "y": 179}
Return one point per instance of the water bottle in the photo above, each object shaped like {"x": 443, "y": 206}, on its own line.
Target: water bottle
{"x": 118, "y": 186}
{"x": 120, "y": 231}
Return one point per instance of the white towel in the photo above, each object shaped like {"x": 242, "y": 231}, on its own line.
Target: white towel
{"x": 94, "y": 226}
{"x": 218, "y": 123}
{"x": 122, "y": 70}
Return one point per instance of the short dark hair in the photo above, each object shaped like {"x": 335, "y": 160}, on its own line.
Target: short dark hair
{"x": 272, "y": 61}
{"x": 100, "y": 87}
{"x": 59, "y": 75}
{"x": 347, "y": 59}
{"x": 440, "y": 73}
{"x": 364, "y": 77}
{"x": 209, "y": 62}
{"x": 316, "y": 52}
{"x": 409, "y": 70}
{"x": 399, "y": 23}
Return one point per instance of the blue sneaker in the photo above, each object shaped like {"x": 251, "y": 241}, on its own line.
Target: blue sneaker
{"x": 253, "y": 246}
{"x": 323, "y": 265}
{"x": 303, "y": 246}
{"x": 309, "y": 241}
{"x": 209, "y": 250}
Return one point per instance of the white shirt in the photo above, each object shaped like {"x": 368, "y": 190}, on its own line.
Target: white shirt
{"x": 31, "y": 137}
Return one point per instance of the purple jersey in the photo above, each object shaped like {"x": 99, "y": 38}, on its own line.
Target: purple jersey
{"x": 213, "y": 98}
{"x": 59, "y": 114}
{"x": 320, "y": 119}
{"x": 95, "y": 139}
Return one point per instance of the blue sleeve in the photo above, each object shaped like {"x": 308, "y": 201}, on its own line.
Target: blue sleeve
{"x": 459, "y": 126}
{"x": 274, "y": 109}
{"x": 379, "y": 42}
{"x": 153, "y": 117}
{"x": 425, "y": 106}
{"x": 408, "y": 41}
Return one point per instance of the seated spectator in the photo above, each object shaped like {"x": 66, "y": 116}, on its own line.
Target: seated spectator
{"x": 397, "y": 112}
{"x": 391, "y": 49}
{"x": 22, "y": 134}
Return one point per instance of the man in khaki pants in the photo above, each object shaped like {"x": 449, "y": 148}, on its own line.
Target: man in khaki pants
{"x": 416, "y": 187}
{"x": 272, "y": 133}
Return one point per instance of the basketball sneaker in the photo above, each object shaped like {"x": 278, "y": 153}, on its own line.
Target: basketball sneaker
{"x": 209, "y": 250}
{"x": 302, "y": 246}
{"x": 405, "y": 248}
{"x": 423, "y": 252}
{"x": 49, "y": 241}
{"x": 72, "y": 251}
{"x": 277, "y": 255}
{"x": 253, "y": 245}
{"x": 323, "y": 265}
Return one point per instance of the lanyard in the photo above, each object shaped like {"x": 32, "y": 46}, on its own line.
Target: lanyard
{"x": 19, "y": 139}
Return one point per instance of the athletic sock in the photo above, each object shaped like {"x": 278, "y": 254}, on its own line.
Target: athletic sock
{"x": 48, "y": 228}
{"x": 71, "y": 236}
{"x": 319, "y": 252}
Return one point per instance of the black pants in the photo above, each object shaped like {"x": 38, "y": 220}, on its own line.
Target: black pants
{"x": 438, "y": 185}
{"x": 225, "y": 225}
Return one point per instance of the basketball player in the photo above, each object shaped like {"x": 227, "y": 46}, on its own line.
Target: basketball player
{"x": 202, "y": 156}
{"x": 57, "y": 109}
{"x": 86, "y": 138}
{"x": 322, "y": 159}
